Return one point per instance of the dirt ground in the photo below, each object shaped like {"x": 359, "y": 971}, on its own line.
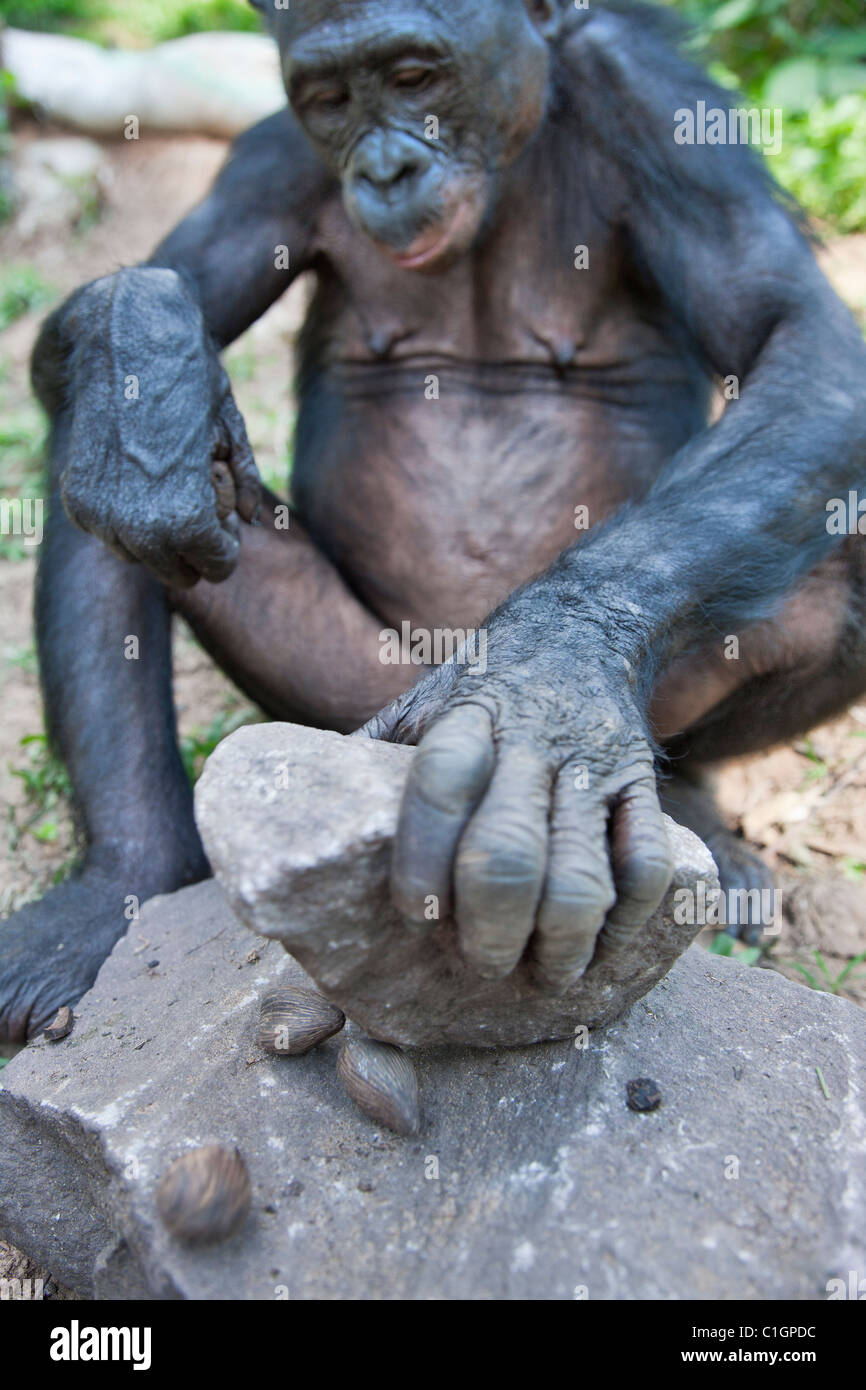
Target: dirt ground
{"x": 802, "y": 806}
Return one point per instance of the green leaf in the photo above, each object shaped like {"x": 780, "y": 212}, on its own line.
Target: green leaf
{"x": 795, "y": 85}
{"x": 732, "y": 14}
{"x": 838, "y": 79}
{"x": 722, "y": 944}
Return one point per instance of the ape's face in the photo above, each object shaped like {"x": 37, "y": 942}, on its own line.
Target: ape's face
{"x": 417, "y": 105}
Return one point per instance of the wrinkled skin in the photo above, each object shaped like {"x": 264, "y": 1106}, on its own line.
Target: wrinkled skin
{"x": 197, "y": 537}
{"x": 510, "y": 804}
{"x": 464, "y": 387}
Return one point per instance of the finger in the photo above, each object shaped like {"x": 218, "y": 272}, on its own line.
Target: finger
{"x": 500, "y": 864}
{"x": 642, "y": 864}
{"x": 242, "y": 462}
{"x": 200, "y": 557}
{"x": 448, "y": 776}
{"x": 167, "y": 568}
{"x": 579, "y": 888}
{"x": 118, "y": 548}
{"x": 212, "y": 552}
{"x": 170, "y": 570}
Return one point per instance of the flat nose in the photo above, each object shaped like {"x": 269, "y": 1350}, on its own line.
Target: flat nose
{"x": 385, "y": 161}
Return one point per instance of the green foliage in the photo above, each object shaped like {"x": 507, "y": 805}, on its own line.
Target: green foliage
{"x": 145, "y": 22}
{"x": 48, "y": 14}
{"x": 196, "y": 747}
{"x": 7, "y": 84}
{"x": 723, "y": 944}
{"x": 807, "y": 58}
{"x": 22, "y": 289}
{"x": 197, "y": 16}
{"x": 823, "y": 161}
{"x": 824, "y": 980}
{"x": 46, "y": 787}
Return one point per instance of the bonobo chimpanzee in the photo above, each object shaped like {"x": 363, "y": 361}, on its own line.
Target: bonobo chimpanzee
{"x": 525, "y": 289}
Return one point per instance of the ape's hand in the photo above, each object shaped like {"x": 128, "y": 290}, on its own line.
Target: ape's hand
{"x": 531, "y": 813}
{"x": 157, "y": 461}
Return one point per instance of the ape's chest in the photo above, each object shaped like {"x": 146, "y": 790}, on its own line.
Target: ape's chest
{"x": 513, "y": 301}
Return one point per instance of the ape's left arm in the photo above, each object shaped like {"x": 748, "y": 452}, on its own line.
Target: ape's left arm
{"x": 533, "y": 796}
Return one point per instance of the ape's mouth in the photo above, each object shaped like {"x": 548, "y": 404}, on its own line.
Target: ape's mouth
{"x": 424, "y": 249}
{"x": 434, "y": 244}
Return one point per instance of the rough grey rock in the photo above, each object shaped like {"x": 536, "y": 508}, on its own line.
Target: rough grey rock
{"x": 298, "y": 825}
{"x": 547, "y": 1183}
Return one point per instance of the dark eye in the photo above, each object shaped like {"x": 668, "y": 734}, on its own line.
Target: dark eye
{"x": 329, "y": 98}
{"x": 412, "y": 79}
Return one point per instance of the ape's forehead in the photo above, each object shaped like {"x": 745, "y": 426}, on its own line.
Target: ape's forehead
{"x": 327, "y": 28}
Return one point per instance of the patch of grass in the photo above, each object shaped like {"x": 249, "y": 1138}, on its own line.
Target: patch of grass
{"x": 139, "y": 24}
{"x": 818, "y": 769}
{"x": 22, "y": 290}
{"x": 46, "y": 789}
{"x": 195, "y": 16}
{"x": 24, "y": 660}
{"x": 824, "y": 981}
{"x": 50, "y": 14}
{"x": 723, "y": 944}
{"x": 197, "y": 746}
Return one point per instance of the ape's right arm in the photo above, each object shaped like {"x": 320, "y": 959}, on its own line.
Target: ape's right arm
{"x": 134, "y": 359}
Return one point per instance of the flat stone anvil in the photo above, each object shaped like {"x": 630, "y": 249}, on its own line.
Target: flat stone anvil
{"x": 298, "y": 825}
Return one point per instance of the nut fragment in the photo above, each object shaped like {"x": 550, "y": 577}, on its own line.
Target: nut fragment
{"x": 381, "y": 1081}
{"x": 60, "y": 1026}
{"x": 643, "y": 1094}
{"x": 205, "y": 1195}
{"x": 224, "y": 489}
{"x": 294, "y": 1020}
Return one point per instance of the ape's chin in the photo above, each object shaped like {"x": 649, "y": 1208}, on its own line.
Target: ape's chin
{"x": 438, "y": 246}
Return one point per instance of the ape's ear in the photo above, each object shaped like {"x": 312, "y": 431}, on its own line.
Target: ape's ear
{"x": 546, "y": 15}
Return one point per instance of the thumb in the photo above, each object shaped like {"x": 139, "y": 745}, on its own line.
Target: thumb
{"x": 406, "y": 718}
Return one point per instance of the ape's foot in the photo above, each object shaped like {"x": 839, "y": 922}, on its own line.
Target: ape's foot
{"x": 745, "y": 879}
{"x": 51, "y": 950}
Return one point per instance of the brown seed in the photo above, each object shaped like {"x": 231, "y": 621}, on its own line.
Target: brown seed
{"x": 224, "y": 488}
{"x": 294, "y": 1020}
{"x": 205, "y": 1195}
{"x": 61, "y": 1025}
{"x": 381, "y": 1081}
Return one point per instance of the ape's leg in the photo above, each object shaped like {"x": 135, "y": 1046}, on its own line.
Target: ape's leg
{"x": 289, "y": 631}
{"x": 802, "y": 668}
{"x": 285, "y": 616}
{"x": 112, "y": 721}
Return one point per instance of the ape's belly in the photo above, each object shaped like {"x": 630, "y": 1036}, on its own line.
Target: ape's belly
{"x": 435, "y": 509}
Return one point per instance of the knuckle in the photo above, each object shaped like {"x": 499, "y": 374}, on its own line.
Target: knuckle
{"x": 509, "y": 868}
{"x": 490, "y": 949}
{"x": 645, "y": 876}
{"x": 443, "y": 768}
{"x": 576, "y": 909}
